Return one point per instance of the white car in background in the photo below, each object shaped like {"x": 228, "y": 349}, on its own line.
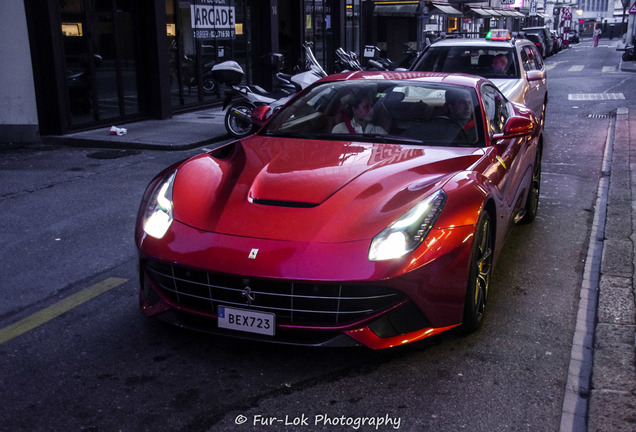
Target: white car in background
{"x": 523, "y": 79}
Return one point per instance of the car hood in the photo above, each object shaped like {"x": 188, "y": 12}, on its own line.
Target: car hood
{"x": 310, "y": 190}
{"x": 511, "y": 88}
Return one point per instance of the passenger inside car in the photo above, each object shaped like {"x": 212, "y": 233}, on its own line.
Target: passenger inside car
{"x": 358, "y": 116}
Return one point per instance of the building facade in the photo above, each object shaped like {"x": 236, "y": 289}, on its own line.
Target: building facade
{"x": 82, "y": 64}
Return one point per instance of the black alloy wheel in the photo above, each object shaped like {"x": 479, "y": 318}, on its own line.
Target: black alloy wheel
{"x": 481, "y": 267}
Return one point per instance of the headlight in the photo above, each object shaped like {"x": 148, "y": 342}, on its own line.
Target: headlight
{"x": 406, "y": 233}
{"x": 158, "y": 216}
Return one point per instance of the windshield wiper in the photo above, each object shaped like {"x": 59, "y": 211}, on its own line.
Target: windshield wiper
{"x": 391, "y": 139}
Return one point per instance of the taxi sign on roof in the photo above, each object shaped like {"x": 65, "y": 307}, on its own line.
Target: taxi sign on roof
{"x": 498, "y": 35}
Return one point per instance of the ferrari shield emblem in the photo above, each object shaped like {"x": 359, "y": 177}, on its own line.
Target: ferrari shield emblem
{"x": 253, "y": 254}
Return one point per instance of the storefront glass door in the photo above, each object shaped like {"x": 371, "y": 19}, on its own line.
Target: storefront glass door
{"x": 101, "y": 58}
{"x": 318, "y": 20}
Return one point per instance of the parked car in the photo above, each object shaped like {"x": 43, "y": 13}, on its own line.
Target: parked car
{"x": 523, "y": 80}
{"x": 307, "y": 234}
{"x": 574, "y": 36}
{"x": 546, "y": 38}
{"x": 558, "y": 42}
{"x": 537, "y": 41}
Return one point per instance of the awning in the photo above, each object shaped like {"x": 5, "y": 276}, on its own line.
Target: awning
{"x": 511, "y": 13}
{"x": 445, "y": 9}
{"x": 491, "y": 12}
{"x": 480, "y": 11}
{"x": 395, "y": 9}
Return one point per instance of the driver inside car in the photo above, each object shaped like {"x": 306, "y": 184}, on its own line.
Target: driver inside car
{"x": 457, "y": 126}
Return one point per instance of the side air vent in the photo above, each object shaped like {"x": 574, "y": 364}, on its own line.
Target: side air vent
{"x": 277, "y": 203}
{"x": 223, "y": 152}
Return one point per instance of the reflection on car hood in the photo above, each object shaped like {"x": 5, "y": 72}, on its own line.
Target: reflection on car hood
{"x": 509, "y": 87}
{"x": 310, "y": 190}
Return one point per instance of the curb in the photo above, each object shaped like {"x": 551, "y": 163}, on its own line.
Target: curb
{"x": 577, "y": 389}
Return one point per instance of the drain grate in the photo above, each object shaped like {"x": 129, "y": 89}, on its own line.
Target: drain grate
{"x": 113, "y": 154}
{"x": 600, "y": 116}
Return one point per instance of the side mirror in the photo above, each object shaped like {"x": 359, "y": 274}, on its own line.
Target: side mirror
{"x": 535, "y": 75}
{"x": 260, "y": 114}
{"x": 516, "y": 127}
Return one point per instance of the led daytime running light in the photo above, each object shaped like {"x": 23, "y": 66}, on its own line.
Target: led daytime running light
{"x": 409, "y": 231}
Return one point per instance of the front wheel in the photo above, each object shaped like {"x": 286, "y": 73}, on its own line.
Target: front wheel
{"x": 237, "y": 120}
{"x": 481, "y": 267}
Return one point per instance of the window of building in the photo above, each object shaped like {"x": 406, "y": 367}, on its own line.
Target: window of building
{"x": 202, "y": 33}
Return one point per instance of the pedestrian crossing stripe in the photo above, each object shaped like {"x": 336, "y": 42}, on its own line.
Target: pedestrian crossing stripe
{"x": 579, "y": 68}
{"x": 595, "y": 96}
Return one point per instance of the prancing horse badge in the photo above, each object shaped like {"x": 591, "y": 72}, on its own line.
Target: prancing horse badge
{"x": 253, "y": 254}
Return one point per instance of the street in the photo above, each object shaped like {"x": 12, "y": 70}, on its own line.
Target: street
{"x": 76, "y": 353}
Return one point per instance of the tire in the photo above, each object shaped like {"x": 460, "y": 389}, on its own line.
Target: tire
{"x": 532, "y": 203}
{"x": 544, "y": 107}
{"x": 480, "y": 274}
{"x": 209, "y": 86}
{"x": 238, "y": 127}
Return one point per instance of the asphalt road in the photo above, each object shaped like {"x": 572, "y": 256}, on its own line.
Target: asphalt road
{"x": 76, "y": 354}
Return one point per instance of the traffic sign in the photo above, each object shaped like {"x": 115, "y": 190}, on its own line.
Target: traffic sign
{"x": 633, "y": 9}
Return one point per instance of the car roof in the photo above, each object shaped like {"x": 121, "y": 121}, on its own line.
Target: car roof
{"x": 431, "y": 77}
{"x": 479, "y": 42}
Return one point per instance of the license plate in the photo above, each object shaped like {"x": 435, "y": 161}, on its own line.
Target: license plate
{"x": 247, "y": 320}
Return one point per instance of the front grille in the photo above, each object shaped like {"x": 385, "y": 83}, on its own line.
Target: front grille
{"x": 292, "y": 302}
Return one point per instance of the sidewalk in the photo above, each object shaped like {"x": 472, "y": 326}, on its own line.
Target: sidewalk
{"x": 612, "y": 397}
{"x": 181, "y": 132}
{"x": 600, "y": 393}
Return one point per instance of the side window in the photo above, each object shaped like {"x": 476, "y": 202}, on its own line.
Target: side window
{"x": 532, "y": 57}
{"x": 538, "y": 60}
{"x": 496, "y": 109}
{"x": 525, "y": 60}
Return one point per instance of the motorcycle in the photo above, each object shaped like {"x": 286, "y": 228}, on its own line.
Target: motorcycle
{"x": 241, "y": 99}
{"x": 375, "y": 62}
{"x": 188, "y": 74}
{"x": 346, "y": 61}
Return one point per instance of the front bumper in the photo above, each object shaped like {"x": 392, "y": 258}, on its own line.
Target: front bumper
{"x": 319, "y": 292}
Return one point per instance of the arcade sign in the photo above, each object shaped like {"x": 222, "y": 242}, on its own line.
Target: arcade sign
{"x": 213, "y": 19}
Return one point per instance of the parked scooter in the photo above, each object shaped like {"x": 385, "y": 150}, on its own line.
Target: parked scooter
{"x": 189, "y": 75}
{"x": 375, "y": 62}
{"x": 346, "y": 61}
{"x": 310, "y": 72}
{"x": 240, "y": 99}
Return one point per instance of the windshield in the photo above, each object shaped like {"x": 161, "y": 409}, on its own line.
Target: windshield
{"x": 411, "y": 112}
{"x": 488, "y": 62}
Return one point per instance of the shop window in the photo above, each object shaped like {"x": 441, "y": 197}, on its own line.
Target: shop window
{"x": 201, "y": 34}
{"x": 100, "y": 58}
